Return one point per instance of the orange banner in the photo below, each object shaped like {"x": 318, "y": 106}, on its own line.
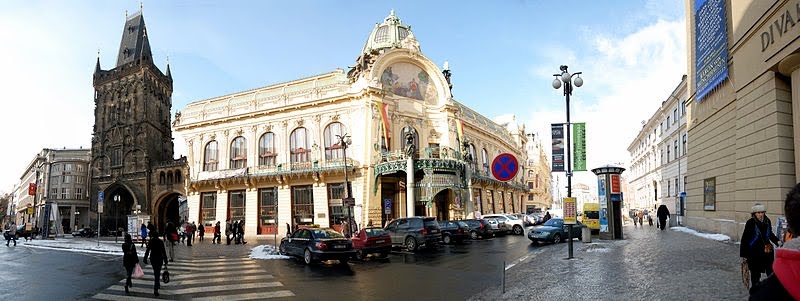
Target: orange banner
{"x": 384, "y": 110}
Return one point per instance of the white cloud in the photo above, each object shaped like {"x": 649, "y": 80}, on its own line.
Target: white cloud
{"x": 625, "y": 80}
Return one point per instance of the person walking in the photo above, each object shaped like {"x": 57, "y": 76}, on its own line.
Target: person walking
{"x": 158, "y": 255}
{"x": 236, "y": 233}
{"x": 640, "y": 217}
{"x": 546, "y": 217}
{"x": 12, "y": 234}
{"x": 171, "y": 234}
{"x": 192, "y": 229}
{"x": 129, "y": 259}
{"x": 756, "y": 247}
{"x": 784, "y": 284}
{"x": 241, "y": 232}
{"x": 635, "y": 218}
{"x": 663, "y": 215}
{"x": 202, "y": 231}
{"x": 143, "y": 230}
{"x": 228, "y": 231}
{"x": 217, "y": 234}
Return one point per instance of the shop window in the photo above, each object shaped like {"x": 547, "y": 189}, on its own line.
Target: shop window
{"x": 236, "y": 205}
{"x": 267, "y": 210}
{"x": 302, "y": 205}
{"x": 208, "y": 208}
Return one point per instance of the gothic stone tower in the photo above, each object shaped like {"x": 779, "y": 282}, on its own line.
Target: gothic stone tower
{"x": 132, "y": 136}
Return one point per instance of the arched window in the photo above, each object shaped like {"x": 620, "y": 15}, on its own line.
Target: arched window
{"x": 211, "y": 157}
{"x": 266, "y": 150}
{"x": 530, "y": 174}
{"x": 238, "y": 152}
{"x": 485, "y": 158}
{"x": 333, "y": 144}
{"x": 298, "y": 145}
{"x": 162, "y": 179}
{"x": 170, "y": 179}
{"x": 178, "y": 179}
{"x": 473, "y": 155}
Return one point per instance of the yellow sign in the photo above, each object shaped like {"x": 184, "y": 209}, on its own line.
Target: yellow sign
{"x": 570, "y": 211}
{"x": 30, "y": 210}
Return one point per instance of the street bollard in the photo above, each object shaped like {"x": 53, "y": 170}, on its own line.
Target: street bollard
{"x": 586, "y": 235}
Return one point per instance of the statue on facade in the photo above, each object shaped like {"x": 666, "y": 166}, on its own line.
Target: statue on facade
{"x": 465, "y": 151}
{"x": 410, "y": 147}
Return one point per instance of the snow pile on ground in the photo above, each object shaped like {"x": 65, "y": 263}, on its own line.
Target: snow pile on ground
{"x": 266, "y": 252}
{"x": 79, "y": 245}
{"x": 717, "y": 237}
{"x": 598, "y": 248}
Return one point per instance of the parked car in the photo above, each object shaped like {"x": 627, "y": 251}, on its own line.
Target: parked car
{"x": 414, "y": 232}
{"x": 317, "y": 244}
{"x": 454, "y": 231}
{"x": 515, "y": 225}
{"x": 526, "y": 220}
{"x": 480, "y": 228}
{"x": 555, "y": 231}
{"x": 85, "y": 232}
{"x": 499, "y": 224}
{"x": 372, "y": 241}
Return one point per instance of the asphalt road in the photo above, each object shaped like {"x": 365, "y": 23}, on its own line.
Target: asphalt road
{"x": 39, "y": 274}
{"x": 450, "y": 272}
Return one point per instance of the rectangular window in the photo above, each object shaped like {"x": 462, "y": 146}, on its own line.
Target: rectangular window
{"x": 64, "y": 193}
{"x": 477, "y": 203}
{"x": 710, "y": 194}
{"x": 79, "y": 167}
{"x": 79, "y": 179}
{"x": 302, "y": 205}
{"x": 54, "y": 180}
{"x": 208, "y": 208}
{"x": 683, "y": 108}
{"x": 236, "y": 205}
{"x": 491, "y": 201}
{"x": 668, "y": 153}
{"x": 668, "y": 123}
{"x": 684, "y": 144}
{"x": 676, "y": 149}
{"x": 54, "y": 193}
{"x": 78, "y": 193}
{"x": 68, "y": 167}
{"x": 675, "y": 115}
{"x": 530, "y": 197}
{"x": 677, "y": 187}
{"x": 662, "y": 127}
{"x": 267, "y": 208}
{"x": 530, "y": 185}
{"x": 116, "y": 156}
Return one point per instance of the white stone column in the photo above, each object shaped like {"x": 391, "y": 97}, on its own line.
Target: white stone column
{"x": 193, "y": 201}
{"x": 284, "y": 208}
{"x": 251, "y": 212}
{"x": 410, "y": 186}
{"x": 790, "y": 66}
{"x": 321, "y": 214}
{"x": 222, "y": 210}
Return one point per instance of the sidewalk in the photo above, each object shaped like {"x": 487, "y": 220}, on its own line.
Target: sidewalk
{"x": 648, "y": 264}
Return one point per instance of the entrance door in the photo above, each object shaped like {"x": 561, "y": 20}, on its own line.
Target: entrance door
{"x": 442, "y": 205}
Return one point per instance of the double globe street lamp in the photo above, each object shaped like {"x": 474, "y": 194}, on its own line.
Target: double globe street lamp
{"x": 348, "y": 200}
{"x": 568, "y": 81}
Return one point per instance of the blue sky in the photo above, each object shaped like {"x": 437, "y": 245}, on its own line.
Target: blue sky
{"x": 502, "y": 55}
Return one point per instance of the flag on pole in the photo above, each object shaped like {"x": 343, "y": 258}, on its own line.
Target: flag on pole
{"x": 384, "y": 111}
{"x": 460, "y": 129}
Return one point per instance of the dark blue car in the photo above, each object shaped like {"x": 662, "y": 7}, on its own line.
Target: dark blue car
{"x": 555, "y": 231}
{"x": 317, "y": 244}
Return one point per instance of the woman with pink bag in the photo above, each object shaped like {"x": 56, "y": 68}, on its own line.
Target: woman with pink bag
{"x": 130, "y": 260}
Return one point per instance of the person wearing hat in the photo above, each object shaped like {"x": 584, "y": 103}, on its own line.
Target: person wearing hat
{"x": 756, "y": 247}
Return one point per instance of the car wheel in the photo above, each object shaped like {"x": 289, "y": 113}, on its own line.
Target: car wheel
{"x": 473, "y": 234}
{"x": 411, "y": 244}
{"x": 557, "y": 238}
{"x": 518, "y": 230}
{"x": 307, "y": 257}
{"x": 360, "y": 255}
{"x": 282, "y": 249}
{"x": 446, "y": 239}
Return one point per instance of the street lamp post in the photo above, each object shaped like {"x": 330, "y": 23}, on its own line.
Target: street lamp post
{"x": 566, "y": 78}
{"x": 116, "y": 216}
{"x": 344, "y": 141}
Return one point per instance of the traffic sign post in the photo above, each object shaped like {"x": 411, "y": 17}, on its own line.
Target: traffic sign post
{"x": 100, "y": 196}
{"x": 505, "y": 167}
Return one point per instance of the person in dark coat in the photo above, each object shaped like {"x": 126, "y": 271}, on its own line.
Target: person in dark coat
{"x": 546, "y": 217}
{"x": 663, "y": 215}
{"x": 755, "y": 245}
{"x": 241, "y": 232}
{"x": 201, "y": 231}
{"x": 129, "y": 259}
{"x": 784, "y": 284}
{"x": 217, "y": 234}
{"x": 158, "y": 255}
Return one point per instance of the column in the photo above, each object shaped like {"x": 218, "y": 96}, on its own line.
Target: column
{"x": 222, "y": 210}
{"x": 71, "y": 219}
{"x": 250, "y": 212}
{"x": 410, "y": 186}
{"x": 193, "y": 201}
{"x": 284, "y": 208}
{"x": 790, "y": 66}
{"x": 321, "y": 209}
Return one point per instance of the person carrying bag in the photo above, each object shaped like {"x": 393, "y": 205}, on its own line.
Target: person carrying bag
{"x": 158, "y": 254}
{"x": 756, "y": 244}
{"x": 130, "y": 260}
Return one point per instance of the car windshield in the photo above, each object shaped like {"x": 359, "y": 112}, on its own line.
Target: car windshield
{"x": 553, "y": 222}
{"x": 462, "y": 224}
{"x": 512, "y": 217}
{"x": 326, "y": 233}
{"x": 375, "y": 232}
{"x": 431, "y": 223}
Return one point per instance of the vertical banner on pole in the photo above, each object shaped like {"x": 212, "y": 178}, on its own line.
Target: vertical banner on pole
{"x": 557, "y": 132}
{"x": 579, "y": 151}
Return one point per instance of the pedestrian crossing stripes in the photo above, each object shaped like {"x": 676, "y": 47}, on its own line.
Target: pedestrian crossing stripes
{"x": 228, "y": 279}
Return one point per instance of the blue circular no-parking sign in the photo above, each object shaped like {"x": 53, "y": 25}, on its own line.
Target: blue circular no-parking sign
{"x": 505, "y": 167}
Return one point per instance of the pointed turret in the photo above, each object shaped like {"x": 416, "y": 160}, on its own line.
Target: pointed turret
{"x": 135, "y": 45}
{"x": 97, "y": 66}
{"x": 169, "y": 74}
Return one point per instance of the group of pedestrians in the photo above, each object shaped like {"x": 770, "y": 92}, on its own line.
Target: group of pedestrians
{"x": 760, "y": 256}
{"x": 662, "y": 213}
{"x": 234, "y": 231}
{"x": 155, "y": 251}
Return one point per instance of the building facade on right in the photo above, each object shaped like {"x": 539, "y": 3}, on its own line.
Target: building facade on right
{"x": 743, "y": 70}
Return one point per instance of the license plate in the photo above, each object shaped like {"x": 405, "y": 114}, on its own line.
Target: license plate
{"x": 434, "y": 231}
{"x": 380, "y": 241}
{"x": 339, "y": 247}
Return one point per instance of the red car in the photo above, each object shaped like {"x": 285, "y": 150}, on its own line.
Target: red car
{"x": 372, "y": 241}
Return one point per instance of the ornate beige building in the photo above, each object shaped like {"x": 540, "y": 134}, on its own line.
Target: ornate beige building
{"x": 538, "y": 178}
{"x": 274, "y": 156}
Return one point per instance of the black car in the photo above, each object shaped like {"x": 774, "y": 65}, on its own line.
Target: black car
{"x": 414, "y": 232}
{"x": 85, "y": 232}
{"x": 317, "y": 244}
{"x": 454, "y": 231}
{"x": 479, "y": 228}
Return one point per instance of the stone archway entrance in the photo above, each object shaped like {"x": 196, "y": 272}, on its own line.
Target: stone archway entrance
{"x": 118, "y": 205}
{"x": 168, "y": 209}
{"x": 442, "y": 202}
